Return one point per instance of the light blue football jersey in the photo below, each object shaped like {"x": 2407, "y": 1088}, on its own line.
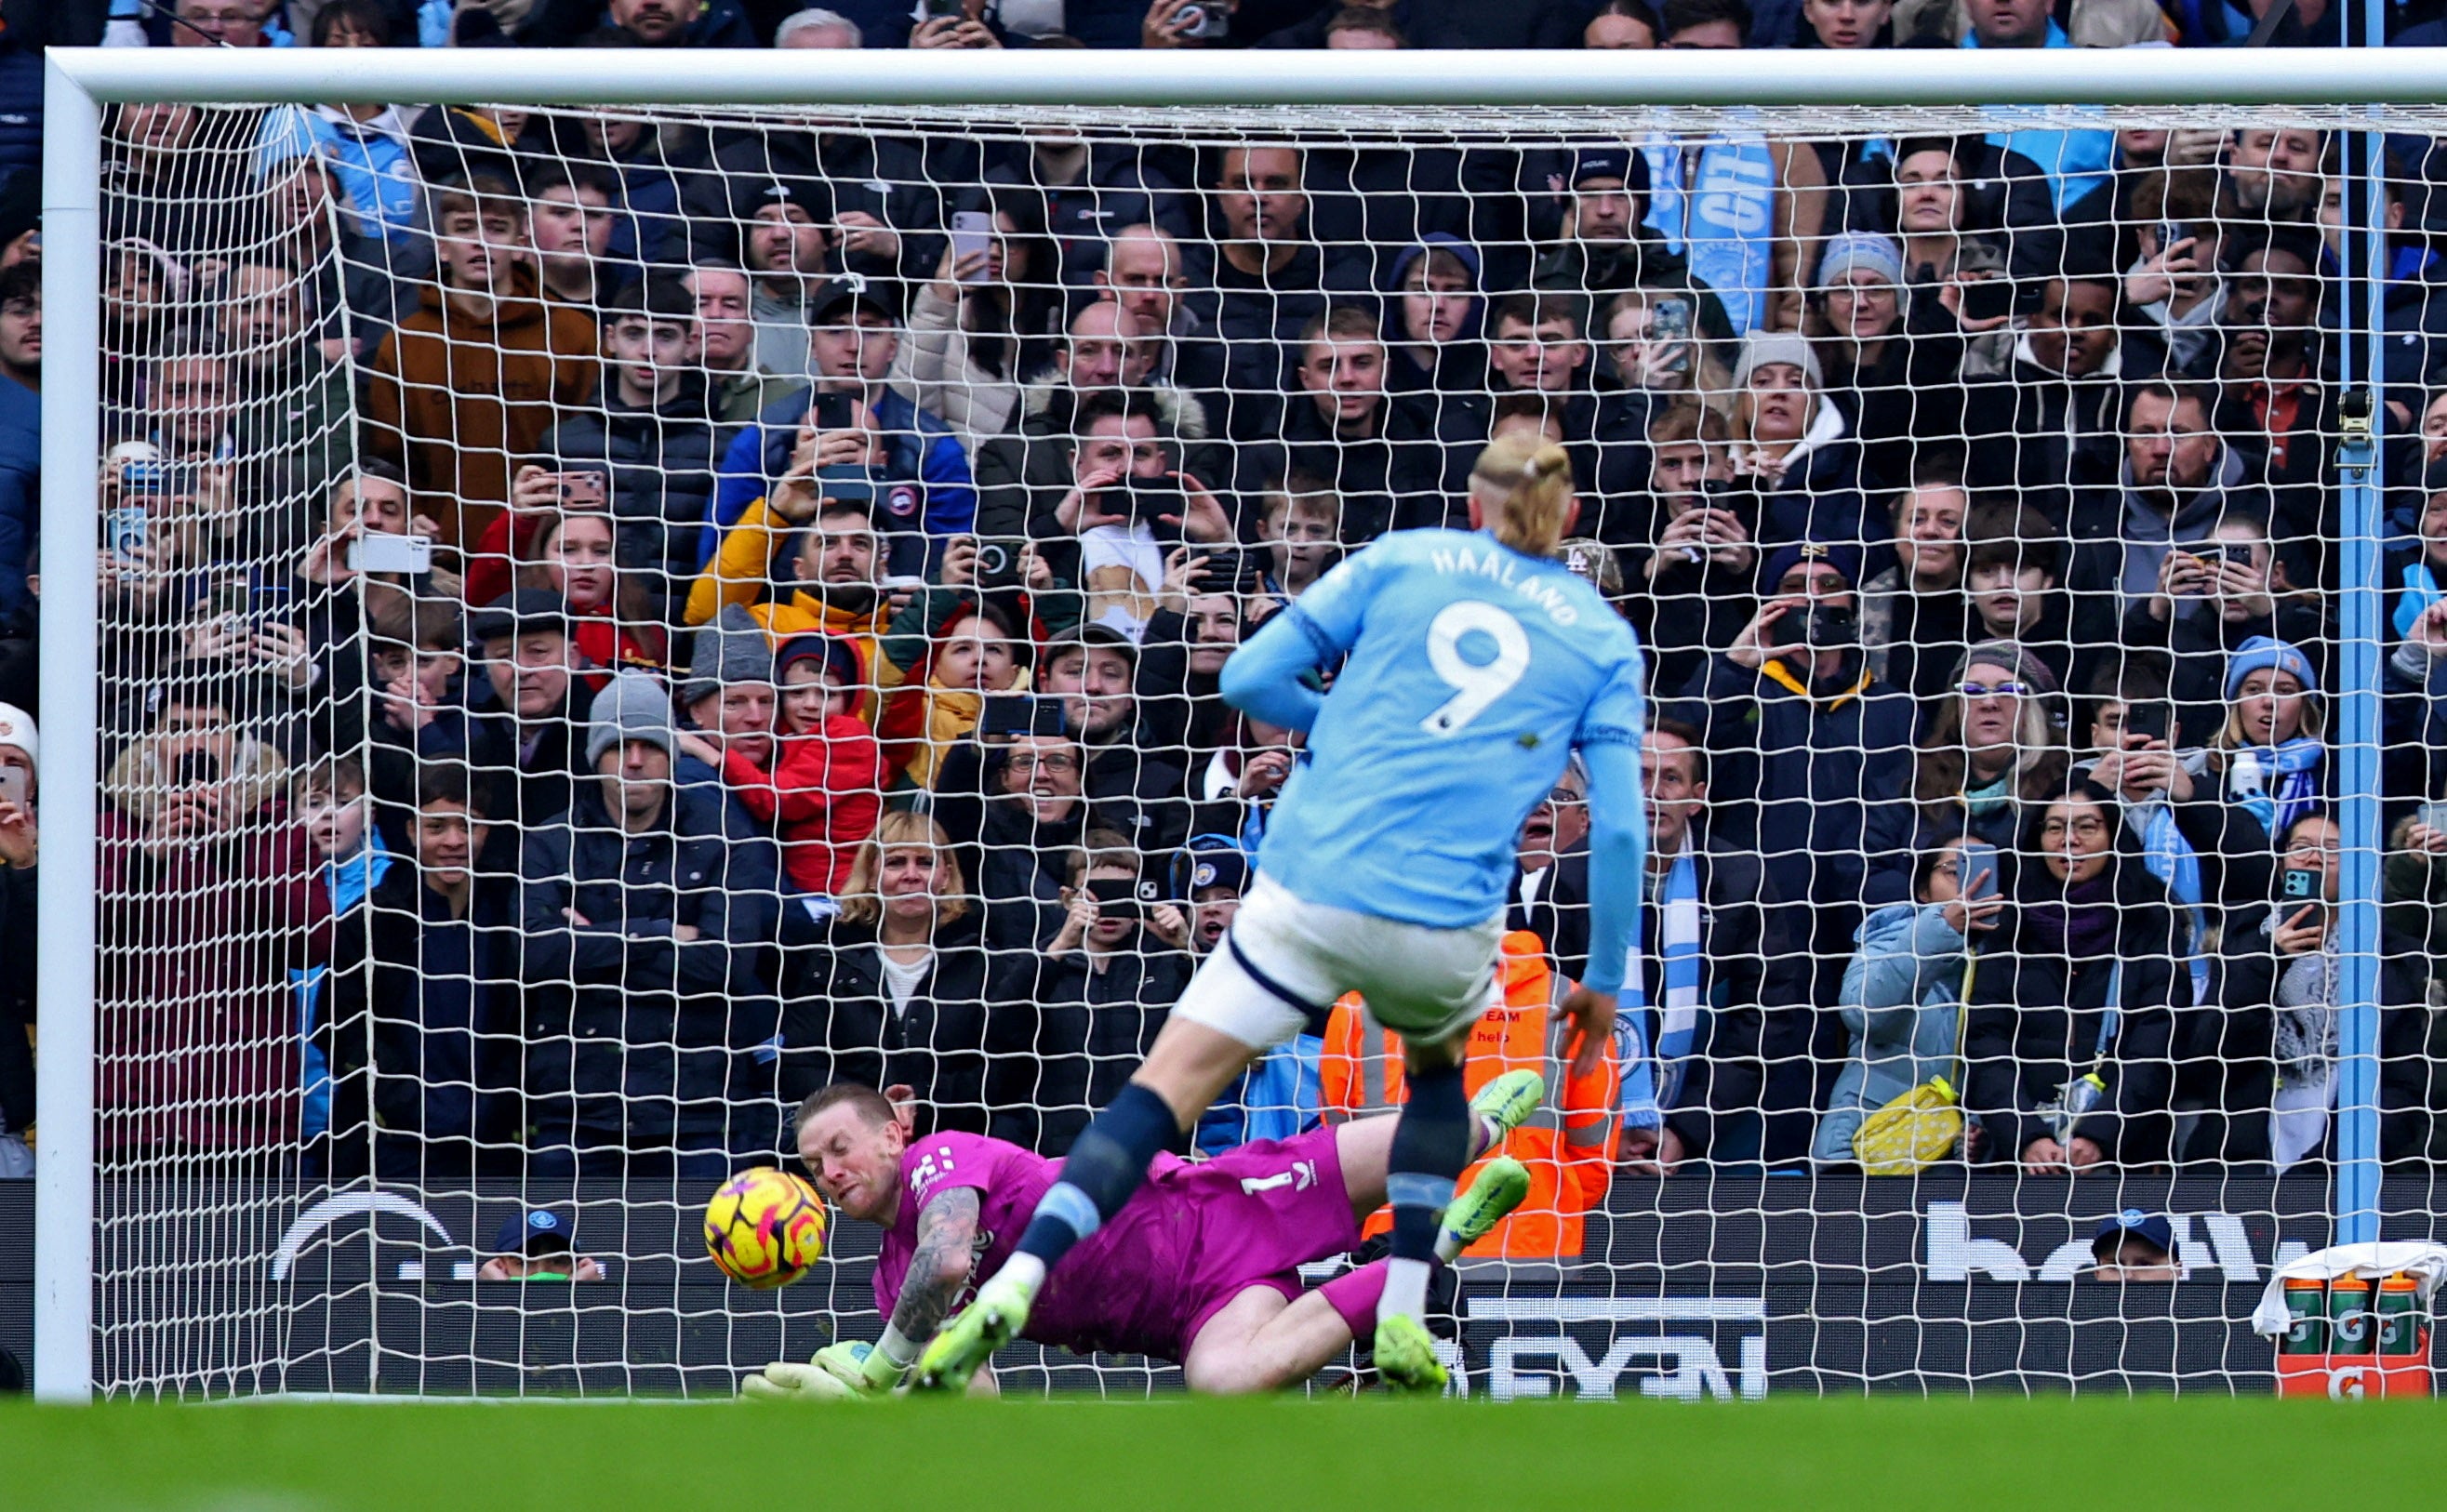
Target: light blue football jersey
{"x": 1473, "y": 671}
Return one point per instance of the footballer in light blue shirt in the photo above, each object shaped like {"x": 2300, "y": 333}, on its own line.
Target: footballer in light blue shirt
{"x": 1467, "y": 666}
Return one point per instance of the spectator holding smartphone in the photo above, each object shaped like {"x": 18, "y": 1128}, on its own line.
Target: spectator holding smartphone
{"x": 1128, "y": 500}
{"x": 576, "y": 555}
{"x": 2059, "y": 1082}
{"x": 2264, "y": 1058}
{"x": 1068, "y": 1026}
{"x": 206, "y": 902}
{"x": 1903, "y": 991}
{"x": 985, "y": 321}
{"x": 2213, "y": 597}
{"x": 855, "y": 417}
{"x": 970, "y": 650}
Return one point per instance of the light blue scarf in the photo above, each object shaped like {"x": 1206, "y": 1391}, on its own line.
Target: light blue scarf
{"x": 2420, "y": 591}
{"x": 1652, "y": 1076}
{"x": 2169, "y": 857}
{"x": 2276, "y": 784}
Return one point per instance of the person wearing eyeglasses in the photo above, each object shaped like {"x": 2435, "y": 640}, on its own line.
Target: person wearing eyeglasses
{"x": 1992, "y": 747}
{"x": 2068, "y": 1039}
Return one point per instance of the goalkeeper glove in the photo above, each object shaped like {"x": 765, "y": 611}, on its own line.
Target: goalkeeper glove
{"x": 847, "y": 1372}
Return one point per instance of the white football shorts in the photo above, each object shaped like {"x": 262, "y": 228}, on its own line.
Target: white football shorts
{"x": 1284, "y": 961}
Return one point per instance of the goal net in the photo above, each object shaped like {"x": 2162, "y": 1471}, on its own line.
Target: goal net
{"x": 612, "y": 620}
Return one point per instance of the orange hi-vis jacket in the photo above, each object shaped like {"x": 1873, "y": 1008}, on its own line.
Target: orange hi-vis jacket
{"x": 1569, "y": 1144}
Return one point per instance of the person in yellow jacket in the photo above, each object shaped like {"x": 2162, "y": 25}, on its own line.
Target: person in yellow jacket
{"x": 834, "y": 585}
{"x": 1568, "y": 1144}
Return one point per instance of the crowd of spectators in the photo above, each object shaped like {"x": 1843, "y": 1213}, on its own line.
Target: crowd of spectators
{"x": 611, "y": 620}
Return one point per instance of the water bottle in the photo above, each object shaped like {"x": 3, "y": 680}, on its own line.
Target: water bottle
{"x": 2077, "y": 1097}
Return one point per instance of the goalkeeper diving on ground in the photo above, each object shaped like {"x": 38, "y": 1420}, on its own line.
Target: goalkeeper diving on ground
{"x": 1201, "y": 1267}
{"x": 1466, "y": 666}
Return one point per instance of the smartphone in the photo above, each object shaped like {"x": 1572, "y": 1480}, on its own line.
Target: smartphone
{"x": 1206, "y": 21}
{"x": 142, "y": 478}
{"x": 1670, "y": 320}
{"x": 2168, "y": 233}
{"x": 381, "y": 552}
{"x": 1972, "y": 859}
{"x": 940, "y": 10}
{"x": 12, "y": 786}
{"x": 1145, "y": 499}
{"x": 1987, "y": 298}
{"x": 2433, "y": 815}
{"x": 2149, "y": 721}
{"x": 1227, "y": 567}
{"x": 834, "y": 412}
{"x": 1829, "y": 626}
{"x": 195, "y": 770}
{"x": 1116, "y": 896}
{"x": 123, "y": 529}
{"x": 584, "y": 488}
{"x": 2301, "y": 884}
{"x": 972, "y": 230}
{"x": 1006, "y": 714}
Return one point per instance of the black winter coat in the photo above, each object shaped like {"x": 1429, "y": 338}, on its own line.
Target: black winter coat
{"x": 634, "y": 1034}
{"x": 839, "y": 1023}
{"x": 421, "y": 1022}
{"x": 1062, "y": 1038}
{"x": 2036, "y": 1016}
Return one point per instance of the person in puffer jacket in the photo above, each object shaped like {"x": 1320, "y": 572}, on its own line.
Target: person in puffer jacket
{"x": 1903, "y": 991}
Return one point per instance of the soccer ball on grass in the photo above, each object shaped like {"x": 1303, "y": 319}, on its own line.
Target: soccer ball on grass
{"x": 765, "y": 1227}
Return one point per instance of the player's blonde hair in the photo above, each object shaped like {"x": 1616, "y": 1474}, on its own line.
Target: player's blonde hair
{"x": 1526, "y": 483}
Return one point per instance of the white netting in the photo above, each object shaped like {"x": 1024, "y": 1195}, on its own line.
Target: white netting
{"x": 387, "y": 956}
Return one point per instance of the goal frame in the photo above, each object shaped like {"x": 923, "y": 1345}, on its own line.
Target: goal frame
{"x": 78, "y": 82}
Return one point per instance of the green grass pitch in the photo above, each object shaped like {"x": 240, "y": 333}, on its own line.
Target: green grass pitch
{"x": 1896, "y": 1455}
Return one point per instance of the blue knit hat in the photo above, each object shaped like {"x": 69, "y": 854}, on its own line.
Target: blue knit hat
{"x": 2260, "y": 654}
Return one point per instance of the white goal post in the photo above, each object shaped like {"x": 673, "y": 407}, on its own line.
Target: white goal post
{"x": 2353, "y": 90}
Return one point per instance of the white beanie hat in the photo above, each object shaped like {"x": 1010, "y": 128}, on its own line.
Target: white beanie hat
{"x": 18, "y": 728}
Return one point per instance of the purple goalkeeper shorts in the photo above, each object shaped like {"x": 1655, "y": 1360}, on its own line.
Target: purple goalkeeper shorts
{"x": 1259, "y": 1212}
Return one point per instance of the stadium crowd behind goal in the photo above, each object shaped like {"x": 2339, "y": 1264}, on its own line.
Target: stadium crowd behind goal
{"x": 612, "y": 620}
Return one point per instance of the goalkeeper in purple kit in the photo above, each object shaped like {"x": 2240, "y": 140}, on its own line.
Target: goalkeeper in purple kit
{"x": 1202, "y": 1267}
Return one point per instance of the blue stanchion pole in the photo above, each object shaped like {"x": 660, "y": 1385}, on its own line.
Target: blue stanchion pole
{"x": 2362, "y": 627}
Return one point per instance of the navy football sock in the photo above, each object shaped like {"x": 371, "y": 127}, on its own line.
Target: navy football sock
{"x": 1430, "y": 1147}
{"x": 1104, "y": 1167}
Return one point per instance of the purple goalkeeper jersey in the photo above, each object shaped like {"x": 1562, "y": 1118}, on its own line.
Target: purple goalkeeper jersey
{"x": 1194, "y": 1238}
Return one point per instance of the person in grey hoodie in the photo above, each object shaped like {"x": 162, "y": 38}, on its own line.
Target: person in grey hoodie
{"x": 1902, "y": 994}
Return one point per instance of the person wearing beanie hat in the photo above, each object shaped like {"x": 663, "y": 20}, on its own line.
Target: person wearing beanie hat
{"x": 646, "y": 909}
{"x": 18, "y": 734}
{"x": 632, "y": 707}
{"x": 730, "y": 691}
{"x": 1811, "y": 759}
{"x": 2269, "y": 756}
{"x": 1860, "y": 252}
{"x": 1437, "y": 317}
{"x": 2421, "y": 571}
{"x": 1993, "y": 745}
{"x": 819, "y": 783}
{"x": 1794, "y": 444}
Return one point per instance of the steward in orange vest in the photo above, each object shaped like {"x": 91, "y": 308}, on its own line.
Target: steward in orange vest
{"x": 1568, "y": 1144}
